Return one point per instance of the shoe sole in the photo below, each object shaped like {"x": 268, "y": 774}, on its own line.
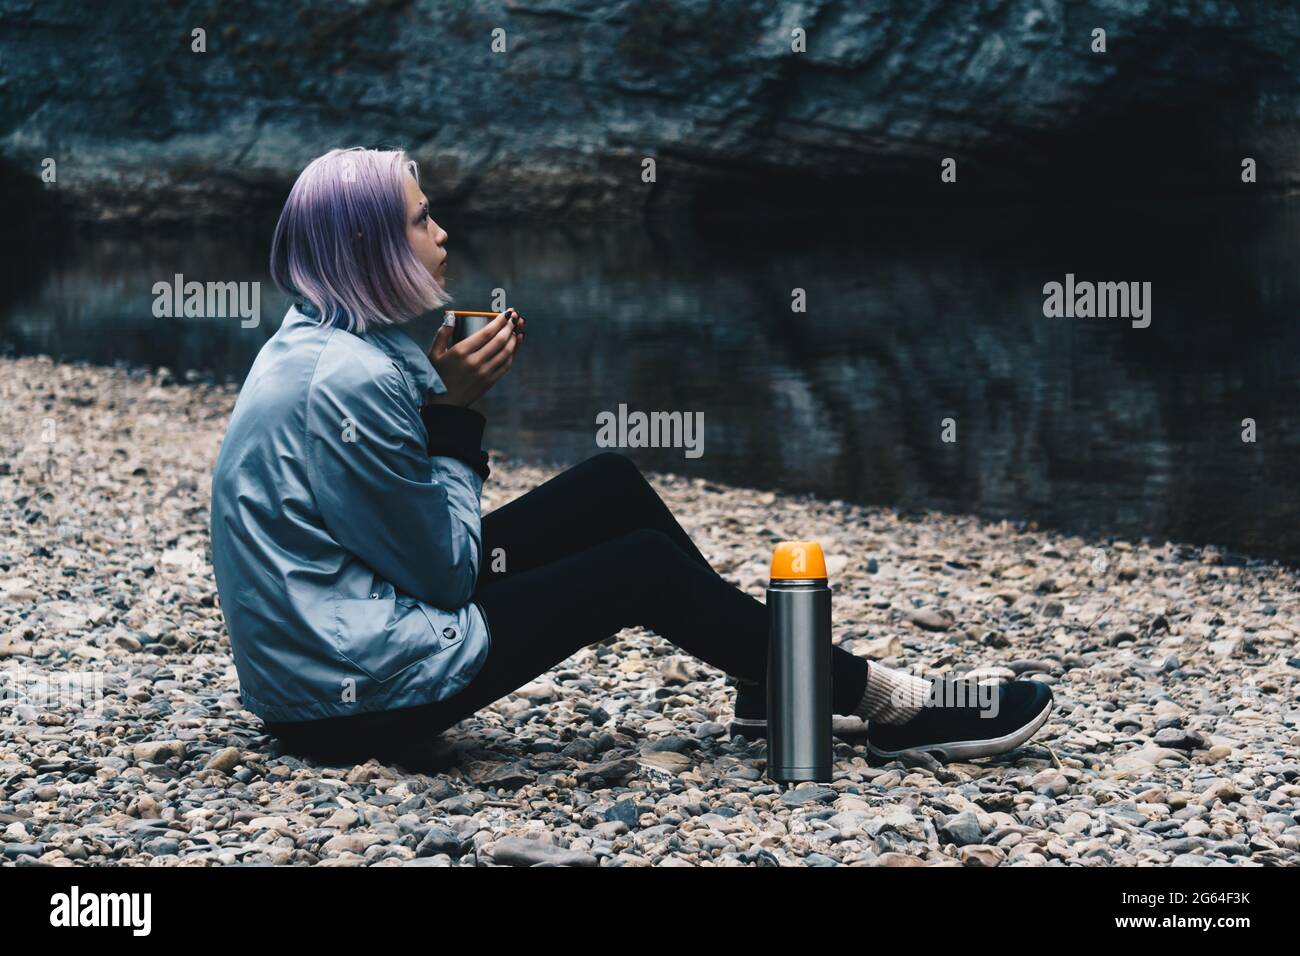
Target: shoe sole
{"x": 967, "y": 749}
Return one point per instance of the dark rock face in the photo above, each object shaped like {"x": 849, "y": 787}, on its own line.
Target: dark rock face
{"x": 142, "y": 128}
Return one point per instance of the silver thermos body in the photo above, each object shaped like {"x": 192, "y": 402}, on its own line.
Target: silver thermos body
{"x": 799, "y": 744}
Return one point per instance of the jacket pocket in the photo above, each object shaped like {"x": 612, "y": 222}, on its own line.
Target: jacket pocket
{"x": 445, "y": 626}
{"x": 384, "y": 635}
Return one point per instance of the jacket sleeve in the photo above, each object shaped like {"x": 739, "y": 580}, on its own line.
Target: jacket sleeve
{"x": 412, "y": 518}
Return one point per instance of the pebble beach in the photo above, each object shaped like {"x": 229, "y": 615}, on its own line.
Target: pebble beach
{"x": 123, "y": 741}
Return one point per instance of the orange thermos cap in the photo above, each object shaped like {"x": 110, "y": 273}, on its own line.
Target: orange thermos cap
{"x": 798, "y": 560}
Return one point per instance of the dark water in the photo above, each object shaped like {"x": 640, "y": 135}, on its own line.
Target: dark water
{"x": 913, "y": 317}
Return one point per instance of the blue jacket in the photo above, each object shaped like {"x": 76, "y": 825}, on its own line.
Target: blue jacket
{"x": 345, "y": 527}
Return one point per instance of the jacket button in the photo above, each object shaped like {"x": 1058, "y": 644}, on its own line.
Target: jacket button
{"x": 449, "y": 632}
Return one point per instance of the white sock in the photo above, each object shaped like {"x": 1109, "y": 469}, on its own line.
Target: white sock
{"x": 891, "y": 697}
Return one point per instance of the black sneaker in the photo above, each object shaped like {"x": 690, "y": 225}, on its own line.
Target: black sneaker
{"x": 751, "y": 711}
{"x": 959, "y": 721}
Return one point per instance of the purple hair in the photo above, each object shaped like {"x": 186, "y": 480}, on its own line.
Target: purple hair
{"x": 341, "y": 241}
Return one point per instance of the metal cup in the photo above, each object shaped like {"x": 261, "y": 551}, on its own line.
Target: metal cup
{"x": 466, "y": 325}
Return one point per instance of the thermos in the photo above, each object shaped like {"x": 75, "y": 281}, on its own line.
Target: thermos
{"x": 799, "y": 665}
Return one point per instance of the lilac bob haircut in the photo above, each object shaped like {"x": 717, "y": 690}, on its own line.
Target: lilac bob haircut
{"x": 341, "y": 242}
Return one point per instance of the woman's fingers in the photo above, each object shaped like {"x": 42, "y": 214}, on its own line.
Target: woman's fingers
{"x": 493, "y": 346}
{"x": 485, "y": 356}
{"x": 439, "y": 347}
{"x": 499, "y": 363}
{"x": 483, "y": 336}
{"x": 501, "y": 345}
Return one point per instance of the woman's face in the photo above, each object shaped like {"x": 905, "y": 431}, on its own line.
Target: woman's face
{"x": 426, "y": 236}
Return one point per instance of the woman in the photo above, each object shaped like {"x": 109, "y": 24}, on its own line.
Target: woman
{"x": 353, "y": 567}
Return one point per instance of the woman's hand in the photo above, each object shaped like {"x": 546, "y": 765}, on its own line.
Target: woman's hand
{"x": 473, "y": 366}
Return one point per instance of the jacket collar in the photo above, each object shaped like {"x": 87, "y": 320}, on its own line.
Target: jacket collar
{"x": 396, "y": 342}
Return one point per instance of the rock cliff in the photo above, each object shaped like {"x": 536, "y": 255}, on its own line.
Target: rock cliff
{"x": 144, "y": 128}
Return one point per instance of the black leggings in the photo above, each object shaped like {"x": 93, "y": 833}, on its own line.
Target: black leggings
{"x": 588, "y": 553}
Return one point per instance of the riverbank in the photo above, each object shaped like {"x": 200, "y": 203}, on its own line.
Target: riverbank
{"x": 1173, "y": 739}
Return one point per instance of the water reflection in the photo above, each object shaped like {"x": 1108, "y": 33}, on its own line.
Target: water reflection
{"x": 913, "y": 318}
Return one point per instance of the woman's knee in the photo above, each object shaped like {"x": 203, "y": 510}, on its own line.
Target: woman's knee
{"x": 616, "y": 466}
